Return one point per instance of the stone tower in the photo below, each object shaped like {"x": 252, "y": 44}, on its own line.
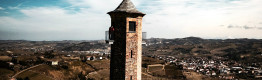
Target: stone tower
{"x": 126, "y": 50}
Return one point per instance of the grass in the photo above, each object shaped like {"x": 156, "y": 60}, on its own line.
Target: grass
{"x": 5, "y": 58}
{"x": 100, "y": 64}
{"x": 37, "y": 73}
{"x": 102, "y": 72}
{"x": 149, "y": 61}
{"x": 34, "y": 76}
{"x": 4, "y": 73}
{"x": 100, "y": 75}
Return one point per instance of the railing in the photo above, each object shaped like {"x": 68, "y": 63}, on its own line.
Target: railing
{"x": 112, "y": 41}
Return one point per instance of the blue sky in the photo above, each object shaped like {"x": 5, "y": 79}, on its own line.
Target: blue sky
{"x": 87, "y": 19}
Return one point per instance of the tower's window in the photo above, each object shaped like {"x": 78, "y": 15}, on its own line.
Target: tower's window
{"x": 132, "y": 26}
{"x": 131, "y": 53}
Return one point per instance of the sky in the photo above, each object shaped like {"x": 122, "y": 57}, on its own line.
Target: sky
{"x": 87, "y": 19}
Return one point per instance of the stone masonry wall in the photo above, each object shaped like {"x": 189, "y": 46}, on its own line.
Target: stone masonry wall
{"x": 118, "y": 52}
{"x": 133, "y": 43}
{"x": 122, "y": 66}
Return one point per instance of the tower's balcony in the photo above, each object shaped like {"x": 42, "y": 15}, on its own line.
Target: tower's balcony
{"x": 108, "y": 41}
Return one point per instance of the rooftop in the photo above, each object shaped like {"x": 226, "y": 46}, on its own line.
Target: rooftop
{"x": 128, "y": 7}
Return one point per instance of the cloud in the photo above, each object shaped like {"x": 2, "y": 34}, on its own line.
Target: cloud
{"x": 87, "y": 19}
{"x": 11, "y": 7}
{"x": 248, "y": 27}
{"x": 230, "y": 26}
{"x": 244, "y": 27}
{"x": 180, "y": 18}
{"x": 221, "y": 25}
{"x": 15, "y": 7}
{"x": 97, "y": 6}
{"x": 53, "y": 23}
{"x": 190, "y": 18}
{"x": 1, "y": 8}
{"x": 60, "y": 23}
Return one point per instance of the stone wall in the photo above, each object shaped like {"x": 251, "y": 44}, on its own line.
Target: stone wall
{"x": 118, "y": 52}
{"x": 122, "y": 66}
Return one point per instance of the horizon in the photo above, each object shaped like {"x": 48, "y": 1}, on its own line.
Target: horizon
{"x": 146, "y": 39}
{"x": 56, "y": 20}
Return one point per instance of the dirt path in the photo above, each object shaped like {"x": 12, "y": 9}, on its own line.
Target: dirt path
{"x": 26, "y": 70}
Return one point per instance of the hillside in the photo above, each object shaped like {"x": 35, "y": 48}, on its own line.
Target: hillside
{"x": 242, "y": 50}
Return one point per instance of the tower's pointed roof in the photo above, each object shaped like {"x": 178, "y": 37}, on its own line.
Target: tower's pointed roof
{"x": 128, "y": 7}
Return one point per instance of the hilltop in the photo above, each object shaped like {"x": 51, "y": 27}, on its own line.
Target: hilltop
{"x": 162, "y": 58}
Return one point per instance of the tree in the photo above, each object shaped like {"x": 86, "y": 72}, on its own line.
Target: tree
{"x": 49, "y": 54}
{"x": 26, "y": 78}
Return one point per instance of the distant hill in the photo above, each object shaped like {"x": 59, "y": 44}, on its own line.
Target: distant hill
{"x": 84, "y": 46}
{"x": 243, "y": 50}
